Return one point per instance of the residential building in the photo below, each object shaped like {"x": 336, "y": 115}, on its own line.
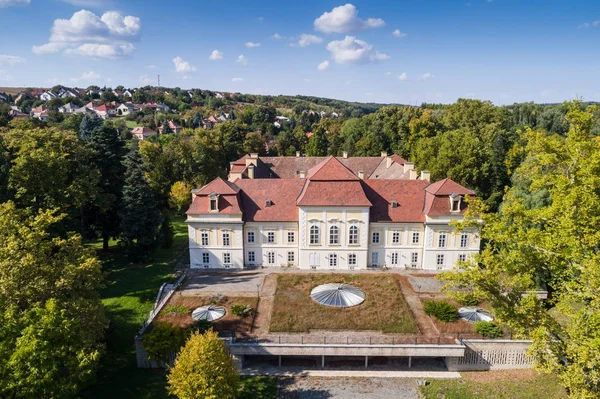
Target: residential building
{"x": 47, "y": 96}
{"x": 328, "y": 213}
{"x": 68, "y": 108}
{"x": 143, "y": 133}
{"x": 127, "y": 108}
{"x": 175, "y": 128}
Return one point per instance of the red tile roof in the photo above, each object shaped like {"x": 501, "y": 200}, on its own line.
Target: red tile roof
{"x": 227, "y": 205}
{"x": 331, "y": 169}
{"x": 219, "y": 186}
{"x": 447, "y": 187}
{"x": 333, "y": 193}
{"x": 398, "y": 159}
{"x": 143, "y": 130}
{"x": 281, "y": 192}
{"x": 408, "y": 193}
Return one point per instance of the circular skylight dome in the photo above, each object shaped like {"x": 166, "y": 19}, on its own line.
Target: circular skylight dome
{"x": 338, "y": 295}
{"x": 474, "y": 314}
{"x": 208, "y": 312}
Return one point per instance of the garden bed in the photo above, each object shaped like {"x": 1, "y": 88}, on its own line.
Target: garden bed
{"x": 384, "y": 308}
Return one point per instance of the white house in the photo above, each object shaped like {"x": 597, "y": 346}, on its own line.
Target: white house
{"x": 328, "y": 213}
{"x": 68, "y": 108}
{"x": 47, "y": 96}
{"x": 126, "y": 109}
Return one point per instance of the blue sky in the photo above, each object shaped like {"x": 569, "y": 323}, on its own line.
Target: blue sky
{"x": 501, "y": 50}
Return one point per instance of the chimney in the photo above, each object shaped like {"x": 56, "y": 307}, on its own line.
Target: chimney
{"x": 413, "y": 174}
{"x": 254, "y": 155}
{"x": 383, "y": 154}
{"x": 345, "y": 154}
{"x": 425, "y": 175}
{"x": 408, "y": 166}
{"x": 297, "y": 154}
{"x": 388, "y": 162}
{"x": 361, "y": 174}
{"x": 302, "y": 174}
{"x": 250, "y": 171}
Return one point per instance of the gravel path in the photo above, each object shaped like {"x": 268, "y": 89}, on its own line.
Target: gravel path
{"x": 427, "y": 284}
{"x": 347, "y": 388}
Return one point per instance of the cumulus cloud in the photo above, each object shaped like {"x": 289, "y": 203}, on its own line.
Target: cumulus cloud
{"x": 397, "y": 33}
{"x": 323, "y": 66}
{"x": 90, "y": 76}
{"x": 276, "y": 36}
{"x": 215, "y": 55}
{"x": 587, "y": 25}
{"x": 307, "y": 40}
{"x": 426, "y": 76}
{"x": 146, "y": 80}
{"x": 241, "y": 59}
{"x": 182, "y": 66}
{"x": 86, "y": 34}
{"x": 235, "y": 80}
{"x": 252, "y": 44}
{"x": 8, "y": 3}
{"x": 10, "y": 60}
{"x": 403, "y": 76}
{"x": 354, "y": 51}
{"x": 344, "y": 19}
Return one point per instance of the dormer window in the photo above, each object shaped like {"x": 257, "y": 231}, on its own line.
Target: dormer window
{"x": 213, "y": 200}
{"x": 268, "y": 203}
{"x": 394, "y": 203}
{"x": 454, "y": 202}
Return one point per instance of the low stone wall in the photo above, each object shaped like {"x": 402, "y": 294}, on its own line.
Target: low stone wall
{"x": 492, "y": 355}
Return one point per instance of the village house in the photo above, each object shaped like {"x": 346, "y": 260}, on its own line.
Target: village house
{"x": 328, "y": 213}
{"x": 127, "y": 108}
{"x": 175, "y": 128}
{"x": 143, "y": 133}
{"x": 68, "y": 108}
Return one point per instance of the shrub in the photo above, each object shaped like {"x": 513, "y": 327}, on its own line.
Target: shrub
{"x": 202, "y": 325}
{"x": 163, "y": 340}
{"x": 217, "y": 299}
{"x": 241, "y": 310}
{"x": 466, "y": 298}
{"x": 175, "y": 309}
{"x": 443, "y": 311}
{"x": 488, "y": 329}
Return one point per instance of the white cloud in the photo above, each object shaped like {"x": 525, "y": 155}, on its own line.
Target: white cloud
{"x": 388, "y": 74}
{"x": 235, "y": 80}
{"x": 10, "y": 60}
{"x": 252, "y": 44}
{"x": 146, "y": 80}
{"x": 215, "y": 55}
{"x": 8, "y": 3}
{"x": 5, "y": 76}
{"x": 354, "y": 51}
{"x": 86, "y": 3}
{"x": 323, "y": 66}
{"x": 426, "y": 76}
{"x": 307, "y": 40}
{"x": 276, "y": 36}
{"x": 152, "y": 66}
{"x": 587, "y": 25}
{"x": 398, "y": 34}
{"x": 403, "y": 76}
{"x": 344, "y": 19}
{"x": 182, "y": 66}
{"x": 241, "y": 59}
{"x": 86, "y": 34}
{"x": 90, "y": 76}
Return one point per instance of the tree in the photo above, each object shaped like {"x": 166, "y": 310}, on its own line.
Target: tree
{"x": 88, "y": 125}
{"x": 139, "y": 96}
{"x": 180, "y": 197}
{"x": 53, "y": 324}
{"x": 550, "y": 244}
{"x": 140, "y": 217}
{"x": 204, "y": 369}
{"x": 317, "y": 144}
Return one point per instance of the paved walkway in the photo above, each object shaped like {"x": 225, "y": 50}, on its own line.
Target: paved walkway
{"x": 281, "y": 372}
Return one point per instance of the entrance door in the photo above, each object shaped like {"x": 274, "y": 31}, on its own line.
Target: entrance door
{"x": 375, "y": 259}
{"x": 313, "y": 260}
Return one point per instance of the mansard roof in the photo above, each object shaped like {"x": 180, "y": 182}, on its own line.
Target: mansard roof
{"x": 331, "y": 169}
{"x": 447, "y": 187}
{"x": 408, "y": 194}
{"x": 218, "y": 186}
{"x": 281, "y": 192}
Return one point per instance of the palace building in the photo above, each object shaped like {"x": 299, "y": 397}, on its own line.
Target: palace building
{"x": 328, "y": 213}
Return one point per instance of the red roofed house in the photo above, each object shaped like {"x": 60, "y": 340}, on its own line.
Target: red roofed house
{"x": 328, "y": 213}
{"x": 142, "y": 132}
{"x": 175, "y": 128}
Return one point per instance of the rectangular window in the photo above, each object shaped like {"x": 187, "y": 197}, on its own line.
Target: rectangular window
{"x": 415, "y": 237}
{"x": 251, "y": 237}
{"x": 204, "y": 238}
{"x": 375, "y": 237}
{"x": 332, "y": 260}
{"x": 396, "y": 237}
{"x": 251, "y": 257}
{"x": 227, "y": 258}
{"x": 464, "y": 240}
{"x": 291, "y": 257}
{"x": 270, "y": 237}
{"x": 414, "y": 258}
{"x": 455, "y": 205}
{"x": 440, "y": 260}
{"x": 394, "y": 258}
{"x": 352, "y": 260}
{"x": 462, "y": 257}
{"x": 213, "y": 205}
{"x": 353, "y": 235}
{"x": 226, "y": 240}
{"x": 334, "y": 235}
{"x": 442, "y": 240}
{"x": 291, "y": 237}
{"x": 375, "y": 258}
{"x": 205, "y": 257}
{"x": 314, "y": 235}
{"x": 271, "y": 258}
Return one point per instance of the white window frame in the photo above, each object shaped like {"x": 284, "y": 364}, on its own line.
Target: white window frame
{"x": 226, "y": 239}
{"x": 416, "y": 235}
{"x": 334, "y": 235}
{"x": 271, "y": 257}
{"x": 251, "y": 234}
{"x": 375, "y": 234}
{"x": 214, "y": 204}
{"x": 251, "y": 256}
{"x": 464, "y": 240}
{"x": 333, "y": 261}
{"x": 291, "y": 257}
{"x": 462, "y": 257}
{"x": 440, "y": 260}
{"x": 204, "y": 238}
{"x": 226, "y": 258}
{"x": 414, "y": 258}
{"x": 270, "y": 237}
{"x": 375, "y": 258}
{"x": 395, "y": 256}
{"x": 291, "y": 236}
{"x": 315, "y": 235}
{"x": 353, "y": 234}
{"x": 442, "y": 240}
{"x": 453, "y": 202}
{"x": 396, "y": 237}
{"x": 205, "y": 258}
{"x": 351, "y": 259}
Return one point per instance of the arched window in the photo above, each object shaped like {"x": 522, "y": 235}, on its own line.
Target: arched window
{"x": 334, "y": 235}
{"x": 314, "y": 235}
{"x": 353, "y": 236}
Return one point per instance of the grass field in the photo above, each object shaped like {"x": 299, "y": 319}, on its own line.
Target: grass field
{"x": 509, "y": 384}
{"x": 384, "y": 308}
{"x": 12, "y": 90}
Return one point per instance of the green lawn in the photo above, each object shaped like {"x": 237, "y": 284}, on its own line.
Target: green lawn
{"x": 128, "y": 297}
{"x": 509, "y": 384}
{"x": 131, "y": 124}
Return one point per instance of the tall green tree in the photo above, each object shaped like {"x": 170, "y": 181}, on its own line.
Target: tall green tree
{"x": 547, "y": 239}
{"x": 50, "y": 310}
{"x": 317, "y": 144}
{"x": 141, "y": 219}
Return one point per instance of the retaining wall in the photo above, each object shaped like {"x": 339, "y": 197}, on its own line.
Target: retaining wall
{"x": 492, "y": 355}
